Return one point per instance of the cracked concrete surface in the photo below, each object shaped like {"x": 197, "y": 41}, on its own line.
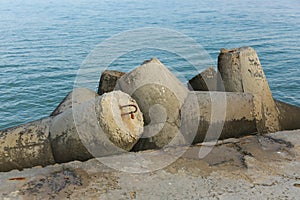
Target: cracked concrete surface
{"x": 252, "y": 167}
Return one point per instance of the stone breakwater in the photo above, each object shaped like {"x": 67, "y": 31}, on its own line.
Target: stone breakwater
{"x": 149, "y": 108}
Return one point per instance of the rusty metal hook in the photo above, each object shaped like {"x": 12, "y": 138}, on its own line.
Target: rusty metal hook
{"x": 131, "y": 112}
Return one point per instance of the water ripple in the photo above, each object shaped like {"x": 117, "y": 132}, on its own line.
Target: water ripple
{"x": 43, "y": 43}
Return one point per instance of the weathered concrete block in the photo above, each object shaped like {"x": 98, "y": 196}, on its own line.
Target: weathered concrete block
{"x": 208, "y": 80}
{"x": 76, "y": 97}
{"x": 103, "y": 126}
{"x": 220, "y": 115}
{"x": 289, "y": 116}
{"x": 241, "y": 71}
{"x": 26, "y": 146}
{"x": 160, "y": 96}
{"x": 108, "y": 81}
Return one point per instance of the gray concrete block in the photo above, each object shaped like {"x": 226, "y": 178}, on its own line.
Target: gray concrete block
{"x": 289, "y": 116}
{"x": 241, "y": 71}
{"x": 220, "y": 115}
{"x": 208, "y": 80}
{"x": 160, "y": 96}
{"x": 76, "y": 97}
{"x": 108, "y": 81}
{"x": 252, "y": 167}
{"x": 26, "y": 146}
{"x": 96, "y": 128}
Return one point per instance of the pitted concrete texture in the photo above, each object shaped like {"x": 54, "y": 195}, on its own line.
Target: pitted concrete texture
{"x": 210, "y": 116}
{"x": 289, "y": 115}
{"x": 252, "y": 167}
{"x": 208, "y": 80}
{"x": 152, "y": 72}
{"x": 26, "y": 145}
{"x": 76, "y": 97}
{"x": 121, "y": 119}
{"x": 241, "y": 71}
{"x": 160, "y": 96}
{"x": 95, "y": 128}
{"x": 108, "y": 81}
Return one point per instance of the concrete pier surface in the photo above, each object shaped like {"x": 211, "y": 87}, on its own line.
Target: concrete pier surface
{"x": 252, "y": 167}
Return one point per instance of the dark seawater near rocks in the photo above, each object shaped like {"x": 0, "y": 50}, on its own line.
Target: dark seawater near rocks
{"x": 44, "y": 43}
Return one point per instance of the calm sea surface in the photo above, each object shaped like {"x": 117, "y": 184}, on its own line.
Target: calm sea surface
{"x": 43, "y": 43}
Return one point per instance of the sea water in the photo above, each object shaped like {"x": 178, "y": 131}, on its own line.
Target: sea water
{"x": 44, "y": 43}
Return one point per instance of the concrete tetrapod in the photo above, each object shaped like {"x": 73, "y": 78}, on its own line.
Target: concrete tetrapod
{"x": 108, "y": 81}
{"x": 289, "y": 116}
{"x": 26, "y": 145}
{"x": 160, "y": 96}
{"x": 102, "y": 126}
{"x": 76, "y": 97}
{"x": 206, "y": 81}
{"x": 107, "y": 125}
{"x": 241, "y": 71}
{"x": 220, "y": 115}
